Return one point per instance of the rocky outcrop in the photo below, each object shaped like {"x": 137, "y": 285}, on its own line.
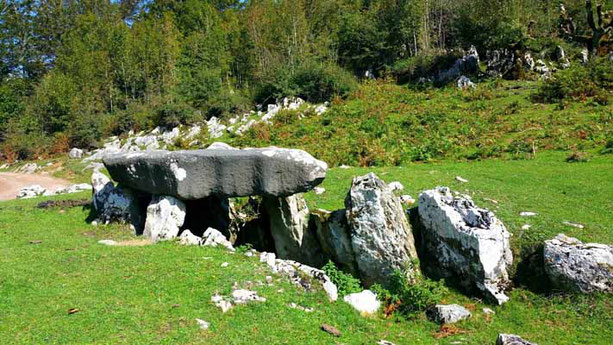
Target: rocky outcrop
{"x": 448, "y": 313}
{"x": 196, "y": 174}
{"x": 31, "y": 192}
{"x": 116, "y": 203}
{"x": 572, "y": 265}
{"x": 468, "y": 64}
{"x": 214, "y": 238}
{"x": 464, "y": 242}
{"x": 165, "y": 216}
{"x": 189, "y": 239}
{"x": 364, "y": 302}
{"x": 381, "y": 236}
{"x": 512, "y": 339}
{"x": 334, "y": 237}
{"x": 289, "y": 226}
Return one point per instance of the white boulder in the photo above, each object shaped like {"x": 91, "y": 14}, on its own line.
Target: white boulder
{"x": 32, "y": 191}
{"x": 464, "y": 242}
{"x": 75, "y": 153}
{"x": 165, "y": 216}
{"x": 449, "y": 313}
{"x": 572, "y": 265}
{"x": 364, "y": 302}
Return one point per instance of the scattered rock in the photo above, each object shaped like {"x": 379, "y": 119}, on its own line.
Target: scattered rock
{"x": 465, "y": 83}
{"x": 381, "y": 236}
{"x": 488, "y": 311}
{"x": 319, "y": 190}
{"x": 224, "y": 264}
{"x": 364, "y": 302}
{"x": 32, "y": 191}
{"x": 572, "y": 265}
{"x": 189, "y": 239}
{"x": 220, "y": 146}
{"x": 449, "y": 313}
{"x": 465, "y": 242}
{"x": 331, "y": 330}
{"x": 574, "y": 225}
{"x": 461, "y": 179}
{"x": 512, "y": 339}
{"x": 75, "y": 153}
{"x": 165, "y": 216}
{"x": 230, "y": 173}
{"x": 526, "y": 226}
{"x": 29, "y": 168}
{"x": 214, "y": 238}
{"x": 221, "y": 303}
{"x": 203, "y": 324}
{"x": 299, "y": 307}
{"x": 108, "y": 242}
{"x": 527, "y": 214}
{"x": 384, "y": 342}
{"x": 245, "y": 296}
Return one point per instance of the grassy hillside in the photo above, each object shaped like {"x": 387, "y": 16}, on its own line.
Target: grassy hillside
{"x": 386, "y": 124}
{"x": 152, "y": 294}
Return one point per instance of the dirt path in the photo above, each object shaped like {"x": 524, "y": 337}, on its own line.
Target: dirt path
{"x": 11, "y": 183}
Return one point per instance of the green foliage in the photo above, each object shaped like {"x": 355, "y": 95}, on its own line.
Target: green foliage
{"x": 228, "y": 102}
{"x": 172, "y": 115}
{"x": 579, "y": 82}
{"x": 424, "y": 65}
{"x": 345, "y": 282}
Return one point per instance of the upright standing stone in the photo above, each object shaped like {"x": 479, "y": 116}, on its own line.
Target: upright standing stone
{"x": 381, "y": 236}
{"x": 117, "y": 203}
{"x": 335, "y": 238}
{"x": 464, "y": 242}
{"x": 165, "y": 216}
{"x": 289, "y": 226}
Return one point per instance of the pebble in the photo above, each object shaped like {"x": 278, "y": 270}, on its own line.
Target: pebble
{"x": 203, "y": 324}
{"x": 461, "y": 179}
{"x": 527, "y": 214}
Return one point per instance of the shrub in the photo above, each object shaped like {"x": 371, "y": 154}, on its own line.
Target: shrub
{"x": 171, "y": 115}
{"x": 345, "y": 282}
{"x": 227, "y": 102}
{"x": 314, "y": 82}
{"x": 413, "y": 294}
{"x": 85, "y": 131}
{"x": 577, "y": 157}
{"x": 423, "y": 66}
{"x": 579, "y": 82}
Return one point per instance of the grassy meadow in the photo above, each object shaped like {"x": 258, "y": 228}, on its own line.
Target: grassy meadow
{"x": 50, "y": 263}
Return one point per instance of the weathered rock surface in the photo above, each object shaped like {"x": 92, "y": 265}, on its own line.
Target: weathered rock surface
{"x": 335, "y": 238}
{"x": 289, "y": 226}
{"x": 117, "y": 203}
{"x": 381, "y": 236}
{"x": 214, "y": 238}
{"x": 196, "y": 174}
{"x": 512, "y": 339}
{"x": 31, "y": 192}
{"x": 75, "y": 153}
{"x": 449, "y": 313}
{"x": 364, "y": 302}
{"x": 188, "y": 239}
{"x": 572, "y": 265}
{"x": 465, "y": 242}
{"x": 165, "y": 216}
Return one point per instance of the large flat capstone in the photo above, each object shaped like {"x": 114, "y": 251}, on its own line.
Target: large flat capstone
{"x": 196, "y": 174}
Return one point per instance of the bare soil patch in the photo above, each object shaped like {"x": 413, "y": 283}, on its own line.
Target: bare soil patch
{"x": 12, "y": 183}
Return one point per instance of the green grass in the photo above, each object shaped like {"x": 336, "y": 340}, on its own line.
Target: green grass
{"x": 152, "y": 294}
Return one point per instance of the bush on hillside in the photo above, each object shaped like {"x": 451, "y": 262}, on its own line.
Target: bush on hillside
{"x": 423, "y": 66}
{"x": 172, "y": 115}
{"x": 314, "y": 82}
{"x": 228, "y": 103}
{"x": 579, "y": 82}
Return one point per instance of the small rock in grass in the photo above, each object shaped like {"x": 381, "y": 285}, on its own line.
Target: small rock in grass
{"x": 107, "y": 242}
{"x": 225, "y": 264}
{"x": 384, "y": 342}
{"x": 527, "y": 214}
{"x": 574, "y": 225}
{"x": 221, "y": 303}
{"x": 512, "y": 339}
{"x": 331, "y": 330}
{"x": 526, "y": 226}
{"x": 461, "y": 179}
{"x": 491, "y": 200}
{"x": 203, "y": 324}
{"x": 299, "y": 307}
{"x": 268, "y": 279}
{"x": 343, "y": 166}
{"x": 364, "y": 302}
{"x": 449, "y": 313}
{"x": 396, "y": 186}
{"x": 94, "y": 223}
{"x": 488, "y": 311}
{"x": 245, "y": 296}
{"x": 319, "y": 190}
